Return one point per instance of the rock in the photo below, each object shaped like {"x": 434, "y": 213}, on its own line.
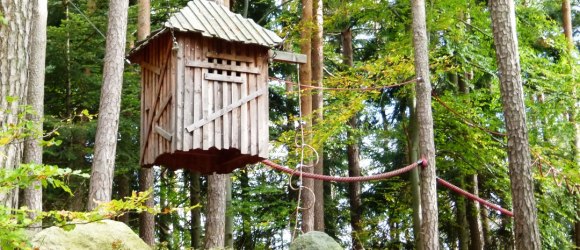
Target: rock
{"x": 315, "y": 240}
{"x": 102, "y": 235}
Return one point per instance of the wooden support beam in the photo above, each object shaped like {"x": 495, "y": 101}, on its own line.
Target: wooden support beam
{"x": 163, "y": 133}
{"x": 230, "y": 57}
{"x": 287, "y": 57}
{"x": 223, "y": 78}
{"x": 208, "y": 65}
{"x": 221, "y": 112}
{"x": 151, "y": 68}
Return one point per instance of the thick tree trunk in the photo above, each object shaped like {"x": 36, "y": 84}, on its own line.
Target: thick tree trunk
{"x": 14, "y": 41}
{"x": 146, "y": 178}
{"x": 306, "y": 110}
{"x": 194, "y": 199}
{"x": 101, "y": 183}
{"x": 143, "y": 19}
{"x": 354, "y": 189}
{"x": 317, "y": 108}
{"x": 229, "y": 227}
{"x": 429, "y": 223}
{"x": 527, "y": 235}
{"x": 215, "y": 211}
{"x": 147, "y": 220}
{"x": 32, "y": 195}
{"x": 414, "y": 176}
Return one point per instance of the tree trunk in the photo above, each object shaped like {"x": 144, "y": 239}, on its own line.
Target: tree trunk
{"x": 473, "y": 216}
{"x": 110, "y": 104}
{"x": 13, "y": 82}
{"x": 144, "y": 19}
{"x": 354, "y": 189}
{"x": 462, "y": 227}
{"x": 215, "y": 211}
{"x": 32, "y": 195}
{"x": 414, "y": 175}
{"x": 164, "y": 219}
{"x": 317, "y": 109}
{"x": 527, "y": 235}
{"x": 229, "y": 227}
{"x": 146, "y": 178}
{"x": 429, "y": 224}
{"x": 485, "y": 227}
{"x": 567, "y": 22}
{"x": 124, "y": 188}
{"x": 194, "y": 199}
{"x": 306, "y": 110}
{"x": 147, "y": 220}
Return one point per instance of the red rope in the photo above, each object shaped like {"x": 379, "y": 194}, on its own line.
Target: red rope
{"x": 382, "y": 176}
{"x": 473, "y": 197}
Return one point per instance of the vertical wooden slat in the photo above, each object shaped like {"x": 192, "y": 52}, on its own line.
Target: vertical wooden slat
{"x": 263, "y": 106}
{"x": 207, "y": 102}
{"x": 227, "y": 133}
{"x": 253, "y": 111}
{"x": 197, "y": 89}
{"x": 244, "y": 143}
{"x": 218, "y": 98}
{"x": 235, "y": 128}
{"x": 188, "y": 95}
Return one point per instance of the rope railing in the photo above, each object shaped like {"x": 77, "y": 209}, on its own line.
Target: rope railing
{"x": 381, "y": 176}
{"x": 473, "y": 197}
{"x": 423, "y": 163}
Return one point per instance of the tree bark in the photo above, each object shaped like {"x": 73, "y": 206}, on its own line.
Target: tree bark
{"x": 473, "y": 216}
{"x": 567, "y": 22}
{"x": 215, "y": 211}
{"x": 14, "y": 60}
{"x": 143, "y": 19}
{"x": 101, "y": 183}
{"x": 147, "y": 220}
{"x": 229, "y": 227}
{"x": 194, "y": 199}
{"x": 429, "y": 224}
{"x": 306, "y": 110}
{"x": 32, "y": 195}
{"x": 146, "y": 178}
{"x": 527, "y": 235}
{"x": 414, "y": 175}
{"x": 317, "y": 108}
{"x": 462, "y": 227}
{"x": 353, "y": 155}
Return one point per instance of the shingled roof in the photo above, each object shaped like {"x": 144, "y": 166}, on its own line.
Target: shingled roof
{"x": 214, "y": 20}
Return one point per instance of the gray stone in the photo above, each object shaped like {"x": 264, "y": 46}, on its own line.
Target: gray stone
{"x": 102, "y": 235}
{"x": 315, "y": 240}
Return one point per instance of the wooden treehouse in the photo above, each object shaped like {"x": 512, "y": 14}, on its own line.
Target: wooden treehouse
{"x": 204, "y": 92}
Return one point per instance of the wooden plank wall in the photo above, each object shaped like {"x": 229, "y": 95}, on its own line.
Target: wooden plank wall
{"x": 158, "y": 73}
{"x": 205, "y": 97}
{"x": 219, "y": 78}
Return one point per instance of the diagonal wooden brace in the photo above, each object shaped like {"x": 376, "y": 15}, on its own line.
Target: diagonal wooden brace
{"x": 221, "y": 112}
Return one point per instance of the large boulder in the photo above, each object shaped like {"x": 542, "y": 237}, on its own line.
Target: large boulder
{"x": 315, "y": 240}
{"x": 102, "y": 235}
